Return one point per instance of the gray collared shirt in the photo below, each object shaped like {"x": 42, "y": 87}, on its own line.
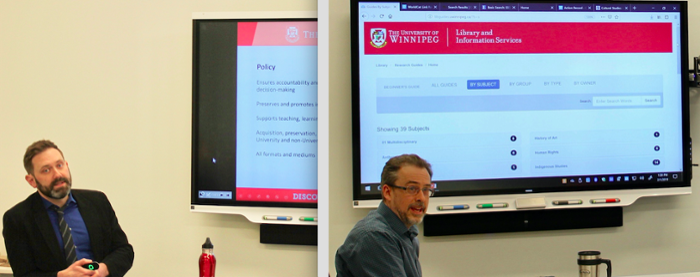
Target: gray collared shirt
{"x": 379, "y": 245}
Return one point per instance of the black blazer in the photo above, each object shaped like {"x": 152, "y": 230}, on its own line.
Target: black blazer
{"x": 32, "y": 247}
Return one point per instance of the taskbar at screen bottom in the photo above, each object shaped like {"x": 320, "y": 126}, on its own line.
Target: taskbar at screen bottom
{"x": 547, "y": 184}
{"x": 263, "y": 195}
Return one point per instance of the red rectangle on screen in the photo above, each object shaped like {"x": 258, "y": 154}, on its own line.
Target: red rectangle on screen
{"x": 387, "y": 38}
{"x": 288, "y": 33}
{"x": 277, "y": 195}
{"x": 246, "y": 32}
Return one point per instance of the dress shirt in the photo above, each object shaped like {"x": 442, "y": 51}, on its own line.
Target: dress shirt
{"x": 379, "y": 245}
{"x": 75, "y": 222}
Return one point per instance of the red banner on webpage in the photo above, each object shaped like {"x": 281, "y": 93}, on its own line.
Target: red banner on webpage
{"x": 277, "y": 195}
{"x": 277, "y": 33}
{"x": 387, "y": 38}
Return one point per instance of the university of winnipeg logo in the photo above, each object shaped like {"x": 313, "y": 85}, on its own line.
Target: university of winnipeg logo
{"x": 292, "y": 34}
{"x": 378, "y": 37}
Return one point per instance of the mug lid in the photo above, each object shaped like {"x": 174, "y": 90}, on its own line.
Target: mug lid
{"x": 589, "y": 253}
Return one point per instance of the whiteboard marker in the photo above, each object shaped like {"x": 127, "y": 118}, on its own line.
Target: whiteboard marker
{"x": 492, "y": 205}
{"x": 275, "y": 217}
{"x": 567, "y": 202}
{"x": 453, "y": 207}
{"x": 606, "y": 200}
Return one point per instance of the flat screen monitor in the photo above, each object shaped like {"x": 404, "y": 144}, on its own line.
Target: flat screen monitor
{"x": 254, "y": 116}
{"x": 523, "y": 104}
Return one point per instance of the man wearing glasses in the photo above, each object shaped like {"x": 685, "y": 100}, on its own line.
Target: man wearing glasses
{"x": 384, "y": 243}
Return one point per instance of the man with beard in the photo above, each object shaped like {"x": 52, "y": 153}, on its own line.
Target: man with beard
{"x": 384, "y": 243}
{"x": 58, "y": 230}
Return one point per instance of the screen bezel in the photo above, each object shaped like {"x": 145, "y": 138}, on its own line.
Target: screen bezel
{"x": 253, "y": 210}
{"x": 531, "y": 189}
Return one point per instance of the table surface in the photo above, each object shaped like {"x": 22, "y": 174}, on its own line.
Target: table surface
{"x": 689, "y": 274}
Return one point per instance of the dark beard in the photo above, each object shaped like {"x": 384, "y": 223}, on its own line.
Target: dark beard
{"x": 50, "y": 192}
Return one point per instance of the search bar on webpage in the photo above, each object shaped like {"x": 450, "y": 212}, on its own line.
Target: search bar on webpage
{"x": 616, "y": 101}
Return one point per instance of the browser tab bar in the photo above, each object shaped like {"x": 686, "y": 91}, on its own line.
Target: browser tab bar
{"x": 498, "y": 7}
{"x": 654, "y": 8}
{"x": 612, "y": 7}
{"x": 575, "y": 7}
{"x": 554, "y": 7}
{"x": 459, "y": 7}
{"x": 427, "y": 6}
{"x": 537, "y": 7}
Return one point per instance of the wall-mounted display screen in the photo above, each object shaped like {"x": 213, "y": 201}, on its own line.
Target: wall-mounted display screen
{"x": 522, "y": 97}
{"x": 254, "y": 128}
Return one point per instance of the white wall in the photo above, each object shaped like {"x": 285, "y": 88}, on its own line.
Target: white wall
{"x": 660, "y": 235}
{"x": 110, "y": 83}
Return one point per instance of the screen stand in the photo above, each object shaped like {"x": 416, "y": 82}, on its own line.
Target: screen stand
{"x": 521, "y": 221}
{"x": 289, "y": 234}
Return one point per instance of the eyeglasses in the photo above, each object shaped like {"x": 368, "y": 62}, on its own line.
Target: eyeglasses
{"x": 413, "y": 190}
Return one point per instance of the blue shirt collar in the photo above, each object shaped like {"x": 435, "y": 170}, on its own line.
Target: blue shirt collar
{"x": 47, "y": 204}
{"x": 395, "y": 222}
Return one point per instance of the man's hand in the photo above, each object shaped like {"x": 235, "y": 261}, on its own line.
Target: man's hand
{"x": 102, "y": 271}
{"x": 77, "y": 270}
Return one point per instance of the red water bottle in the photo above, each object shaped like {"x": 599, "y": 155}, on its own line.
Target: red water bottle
{"x": 207, "y": 261}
